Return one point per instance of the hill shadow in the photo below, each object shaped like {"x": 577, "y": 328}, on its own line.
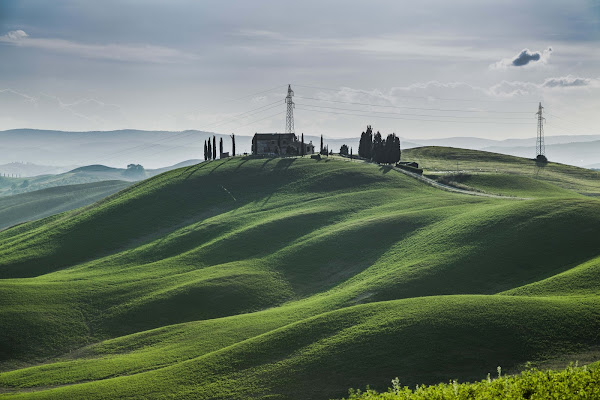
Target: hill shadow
{"x": 385, "y": 168}
{"x": 284, "y": 164}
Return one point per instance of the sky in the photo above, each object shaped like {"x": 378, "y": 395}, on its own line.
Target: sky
{"x": 426, "y": 69}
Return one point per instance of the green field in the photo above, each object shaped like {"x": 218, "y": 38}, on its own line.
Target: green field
{"x": 42, "y": 203}
{"x": 297, "y": 279}
{"x": 504, "y": 174}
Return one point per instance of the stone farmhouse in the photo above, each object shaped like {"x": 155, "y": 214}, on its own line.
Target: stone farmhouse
{"x": 279, "y": 144}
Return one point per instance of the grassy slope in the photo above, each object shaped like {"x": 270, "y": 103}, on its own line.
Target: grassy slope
{"x": 30, "y": 206}
{"x": 252, "y": 273}
{"x": 505, "y": 174}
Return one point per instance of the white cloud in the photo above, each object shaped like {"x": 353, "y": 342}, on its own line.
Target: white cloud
{"x": 14, "y": 35}
{"x": 519, "y": 88}
{"x": 117, "y": 52}
{"x": 259, "y": 99}
{"x": 569, "y": 81}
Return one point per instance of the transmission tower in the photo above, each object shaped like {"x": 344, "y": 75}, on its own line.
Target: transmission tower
{"x": 289, "y": 119}
{"x": 540, "y": 147}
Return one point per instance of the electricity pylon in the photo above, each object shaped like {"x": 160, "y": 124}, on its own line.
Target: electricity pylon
{"x": 540, "y": 147}
{"x": 289, "y": 119}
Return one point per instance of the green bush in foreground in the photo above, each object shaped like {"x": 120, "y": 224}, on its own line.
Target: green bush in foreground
{"x": 570, "y": 383}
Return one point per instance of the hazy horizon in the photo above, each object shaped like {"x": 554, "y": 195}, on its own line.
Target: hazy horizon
{"x": 158, "y": 149}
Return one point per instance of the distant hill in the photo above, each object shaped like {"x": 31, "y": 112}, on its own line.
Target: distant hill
{"x": 475, "y": 143}
{"x": 581, "y": 154}
{"x": 155, "y": 149}
{"x": 43, "y": 203}
{"x": 152, "y": 149}
{"x": 30, "y": 169}
{"x": 505, "y": 174}
{"x": 80, "y": 175}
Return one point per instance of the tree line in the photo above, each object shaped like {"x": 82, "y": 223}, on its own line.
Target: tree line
{"x": 378, "y": 149}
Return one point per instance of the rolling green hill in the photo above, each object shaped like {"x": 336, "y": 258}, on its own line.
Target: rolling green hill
{"x": 295, "y": 278}
{"x": 30, "y": 206}
{"x": 502, "y": 173}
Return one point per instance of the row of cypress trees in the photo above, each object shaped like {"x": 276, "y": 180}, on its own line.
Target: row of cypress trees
{"x": 374, "y": 147}
{"x": 210, "y": 150}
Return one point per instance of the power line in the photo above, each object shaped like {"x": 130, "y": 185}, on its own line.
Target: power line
{"x": 275, "y": 103}
{"x": 415, "y": 119}
{"x": 237, "y": 127}
{"x": 415, "y": 115}
{"x": 570, "y": 122}
{"x": 186, "y": 134}
{"x": 414, "y": 108}
{"x": 424, "y": 97}
{"x": 237, "y": 99}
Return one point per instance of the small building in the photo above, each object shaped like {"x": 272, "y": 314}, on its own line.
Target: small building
{"x": 408, "y": 163}
{"x": 279, "y": 144}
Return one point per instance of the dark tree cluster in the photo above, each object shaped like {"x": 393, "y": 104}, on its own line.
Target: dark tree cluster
{"x": 207, "y": 150}
{"x": 135, "y": 170}
{"x": 210, "y": 149}
{"x": 344, "y": 150}
{"x": 365, "y": 146}
{"x": 378, "y": 149}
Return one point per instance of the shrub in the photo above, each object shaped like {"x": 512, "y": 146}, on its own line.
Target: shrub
{"x": 570, "y": 383}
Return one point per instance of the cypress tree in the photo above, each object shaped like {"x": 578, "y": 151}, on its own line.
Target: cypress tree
{"x": 397, "y": 152}
{"x": 221, "y": 148}
{"x": 361, "y": 145}
{"x": 209, "y": 150}
{"x": 388, "y": 151}
{"x": 377, "y": 152}
{"x": 232, "y": 144}
{"x": 365, "y": 146}
{"x": 214, "y": 148}
{"x": 391, "y": 149}
{"x": 321, "y": 149}
{"x": 205, "y": 151}
{"x": 302, "y": 149}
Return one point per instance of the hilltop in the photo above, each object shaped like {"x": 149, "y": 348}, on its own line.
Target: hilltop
{"x": 503, "y": 173}
{"x": 299, "y": 278}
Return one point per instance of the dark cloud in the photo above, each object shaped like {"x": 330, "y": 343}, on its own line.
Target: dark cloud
{"x": 525, "y": 57}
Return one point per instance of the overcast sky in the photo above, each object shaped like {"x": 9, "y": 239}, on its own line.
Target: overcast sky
{"x": 421, "y": 69}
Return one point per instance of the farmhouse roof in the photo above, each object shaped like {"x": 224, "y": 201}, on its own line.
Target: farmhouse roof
{"x": 271, "y": 136}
